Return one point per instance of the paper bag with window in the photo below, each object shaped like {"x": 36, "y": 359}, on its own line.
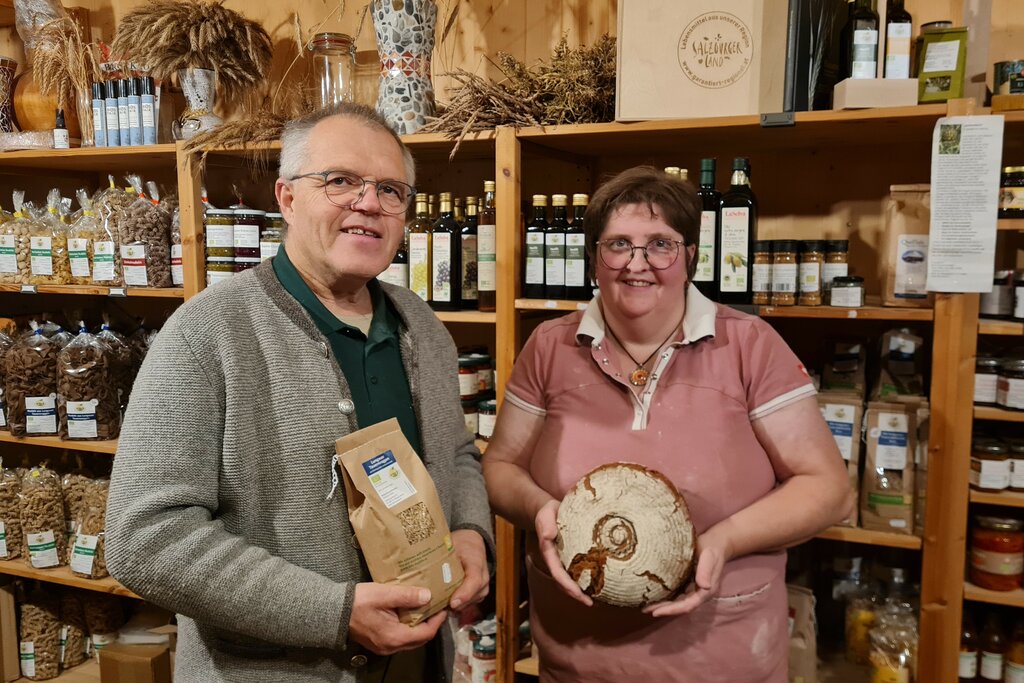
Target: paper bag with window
{"x": 397, "y": 516}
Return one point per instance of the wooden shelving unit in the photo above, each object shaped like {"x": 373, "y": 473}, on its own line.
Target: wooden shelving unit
{"x": 97, "y": 159}
{"x": 868, "y": 537}
{"x": 529, "y": 666}
{"x": 998, "y": 414}
{"x": 472, "y": 317}
{"x": 64, "y": 577}
{"x": 106, "y": 447}
{"x": 1004, "y": 498}
{"x": 89, "y": 290}
{"x": 830, "y": 313}
{"x": 87, "y": 672}
{"x": 1009, "y": 598}
{"x": 1008, "y": 328}
{"x": 1010, "y": 224}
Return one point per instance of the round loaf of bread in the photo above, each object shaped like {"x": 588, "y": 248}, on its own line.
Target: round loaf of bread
{"x": 625, "y": 535}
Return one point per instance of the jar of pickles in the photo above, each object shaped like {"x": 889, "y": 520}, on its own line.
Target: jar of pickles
{"x": 249, "y": 225}
{"x": 997, "y": 553}
{"x": 219, "y": 225}
{"x": 272, "y": 236}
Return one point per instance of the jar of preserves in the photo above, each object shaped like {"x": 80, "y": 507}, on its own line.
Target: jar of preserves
{"x": 990, "y": 465}
{"x": 218, "y": 269}
{"x": 488, "y": 411}
{"x": 1014, "y": 669}
{"x": 243, "y": 264}
{"x": 997, "y": 553}
{"x": 470, "y": 412}
{"x": 761, "y": 279}
{"x": 219, "y": 226}
{"x": 469, "y": 384}
{"x": 847, "y": 292}
{"x": 836, "y": 264}
{"x": 986, "y": 380}
{"x": 249, "y": 224}
{"x": 812, "y": 258}
{"x": 272, "y": 236}
{"x": 1016, "y": 447}
{"x": 484, "y": 372}
{"x": 1011, "y": 192}
{"x": 999, "y": 302}
{"x": 1018, "y": 295}
{"x": 784, "y": 273}
{"x": 1010, "y": 387}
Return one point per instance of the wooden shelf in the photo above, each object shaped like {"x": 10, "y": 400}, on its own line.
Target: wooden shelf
{"x": 998, "y": 414}
{"x": 480, "y": 317}
{"x": 6, "y": 13}
{"x": 1005, "y": 498}
{"x": 868, "y": 537}
{"x": 528, "y": 667}
{"x": 549, "y": 305}
{"x": 112, "y": 159}
{"x": 1002, "y": 327}
{"x": 830, "y": 313}
{"x": 109, "y": 447}
{"x": 1010, "y": 224}
{"x": 64, "y": 577}
{"x": 90, "y": 290}
{"x": 86, "y": 672}
{"x": 1010, "y": 598}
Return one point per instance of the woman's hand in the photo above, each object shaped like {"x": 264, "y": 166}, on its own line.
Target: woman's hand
{"x": 713, "y": 551}
{"x": 547, "y": 531}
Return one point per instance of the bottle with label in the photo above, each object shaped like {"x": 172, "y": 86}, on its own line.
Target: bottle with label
{"x": 419, "y": 249}
{"x": 533, "y": 278}
{"x": 470, "y": 247}
{"x": 736, "y": 230}
{"x": 458, "y": 211}
{"x": 487, "y": 252}
{"x": 445, "y": 259}
{"x": 398, "y": 272}
{"x": 898, "y": 29}
{"x": 147, "y": 99}
{"x": 554, "y": 248}
{"x": 132, "y": 89}
{"x": 99, "y": 116}
{"x": 1014, "y": 669}
{"x": 123, "y": 122}
{"x": 576, "y": 269}
{"x": 969, "y": 641}
{"x": 860, "y": 42}
{"x": 706, "y": 275}
{"x": 113, "y": 128}
{"x": 993, "y": 648}
{"x": 432, "y": 208}
{"x": 61, "y": 140}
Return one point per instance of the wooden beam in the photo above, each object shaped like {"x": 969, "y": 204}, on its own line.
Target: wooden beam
{"x": 190, "y": 208}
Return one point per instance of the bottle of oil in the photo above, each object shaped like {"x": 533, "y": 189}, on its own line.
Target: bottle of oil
{"x": 470, "y": 245}
{"x": 419, "y": 250}
{"x": 487, "y": 252}
{"x": 736, "y": 230}
{"x": 446, "y": 259}
{"x": 860, "y": 42}
{"x": 993, "y": 648}
{"x": 708, "y": 262}
{"x": 554, "y": 248}
{"x": 576, "y": 276}
{"x": 398, "y": 272}
{"x": 533, "y": 275}
{"x": 968, "y": 666}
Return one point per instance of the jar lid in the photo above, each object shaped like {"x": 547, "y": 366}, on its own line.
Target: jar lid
{"x": 488, "y": 404}
{"x": 1001, "y": 275}
{"x": 485, "y": 645}
{"x": 220, "y": 212}
{"x": 837, "y": 245}
{"x": 220, "y": 259}
{"x": 274, "y": 214}
{"x": 935, "y": 25}
{"x": 848, "y": 280}
{"x": 331, "y": 40}
{"x": 1013, "y": 364}
{"x": 469, "y": 403}
{"x": 808, "y": 246}
{"x": 1013, "y": 169}
{"x": 762, "y": 246}
{"x": 786, "y": 246}
{"x": 990, "y": 446}
{"x": 480, "y": 358}
{"x": 988, "y": 361}
{"x": 999, "y": 523}
{"x": 248, "y": 259}
{"x": 249, "y": 212}
{"x": 466, "y": 362}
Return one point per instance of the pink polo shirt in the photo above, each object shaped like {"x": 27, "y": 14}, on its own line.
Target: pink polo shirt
{"x": 693, "y": 423}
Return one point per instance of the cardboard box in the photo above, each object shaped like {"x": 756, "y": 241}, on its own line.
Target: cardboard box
{"x": 10, "y": 664}
{"x": 121, "y": 663}
{"x": 700, "y": 58}
{"x": 864, "y": 93}
{"x": 942, "y": 59}
{"x": 843, "y": 414}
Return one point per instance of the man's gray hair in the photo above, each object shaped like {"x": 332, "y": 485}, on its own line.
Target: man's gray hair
{"x": 295, "y": 137}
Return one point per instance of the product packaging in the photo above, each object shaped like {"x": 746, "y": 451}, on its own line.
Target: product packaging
{"x": 843, "y": 414}
{"x": 905, "y": 247}
{"x": 887, "y": 490}
{"x": 42, "y": 519}
{"x": 88, "y": 399}
{"x": 31, "y": 384}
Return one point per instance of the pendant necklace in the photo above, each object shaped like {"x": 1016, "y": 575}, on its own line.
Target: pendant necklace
{"x": 639, "y": 377}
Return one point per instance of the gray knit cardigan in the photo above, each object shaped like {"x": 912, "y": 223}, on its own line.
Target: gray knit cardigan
{"x": 219, "y": 504}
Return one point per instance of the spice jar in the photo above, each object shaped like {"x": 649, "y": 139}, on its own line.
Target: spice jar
{"x": 999, "y": 302}
{"x": 488, "y": 411}
{"x": 1016, "y": 447}
{"x": 812, "y": 258}
{"x": 218, "y": 269}
{"x": 847, "y": 292}
{"x": 243, "y": 264}
{"x": 990, "y": 465}
{"x": 761, "y": 279}
{"x": 220, "y": 233}
{"x": 469, "y": 384}
{"x": 272, "y": 236}
{"x": 249, "y": 224}
{"x": 986, "y": 380}
{"x": 334, "y": 67}
{"x": 784, "y": 273}
{"x": 836, "y": 264}
{"x": 1010, "y": 386}
{"x": 469, "y": 412}
{"x": 1011, "y": 192}
{"x": 997, "y": 553}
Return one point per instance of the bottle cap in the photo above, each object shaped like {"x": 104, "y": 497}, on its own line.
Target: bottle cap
{"x": 708, "y": 165}
{"x": 97, "y": 91}
{"x": 110, "y": 90}
{"x": 60, "y": 119}
{"x": 146, "y": 85}
{"x": 131, "y": 87}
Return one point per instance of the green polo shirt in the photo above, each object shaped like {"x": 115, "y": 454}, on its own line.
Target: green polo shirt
{"x": 372, "y": 363}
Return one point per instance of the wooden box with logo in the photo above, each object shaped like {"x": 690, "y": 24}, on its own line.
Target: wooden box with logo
{"x": 700, "y": 58}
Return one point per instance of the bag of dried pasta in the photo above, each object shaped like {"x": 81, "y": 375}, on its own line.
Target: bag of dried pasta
{"x": 123, "y": 366}
{"x": 145, "y": 240}
{"x": 74, "y": 633}
{"x": 5, "y": 344}
{"x": 74, "y": 487}
{"x": 88, "y": 557}
{"x": 48, "y": 240}
{"x": 42, "y": 519}
{"x": 88, "y": 400}
{"x": 83, "y": 234}
{"x": 10, "y": 515}
{"x": 14, "y": 244}
{"x": 104, "y": 616}
{"x": 40, "y": 635}
{"x": 30, "y": 367}
{"x": 8, "y": 251}
{"x": 110, "y": 206}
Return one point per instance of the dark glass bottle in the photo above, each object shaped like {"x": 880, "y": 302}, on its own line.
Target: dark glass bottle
{"x": 554, "y": 248}
{"x": 969, "y": 641}
{"x": 458, "y": 211}
{"x": 446, "y": 259}
{"x": 432, "y": 207}
{"x": 706, "y": 275}
{"x": 487, "y": 252}
{"x": 993, "y": 648}
{"x": 398, "y": 272}
{"x": 899, "y": 29}
{"x": 419, "y": 250}
{"x": 737, "y": 228}
{"x": 469, "y": 255}
{"x": 533, "y": 254}
{"x": 576, "y": 270}
{"x": 860, "y": 42}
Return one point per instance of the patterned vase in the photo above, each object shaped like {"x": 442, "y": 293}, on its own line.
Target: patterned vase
{"x": 405, "y": 41}
{"x": 200, "y": 89}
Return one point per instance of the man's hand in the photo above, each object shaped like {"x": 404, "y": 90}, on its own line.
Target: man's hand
{"x": 713, "y": 552}
{"x": 546, "y": 523}
{"x": 469, "y": 548}
{"x": 374, "y": 623}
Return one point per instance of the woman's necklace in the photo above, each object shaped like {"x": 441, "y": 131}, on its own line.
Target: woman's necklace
{"x": 639, "y": 377}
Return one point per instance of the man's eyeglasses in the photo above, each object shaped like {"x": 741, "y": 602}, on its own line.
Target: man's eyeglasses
{"x": 345, "y": 189}
{"x": 618, "y": 253}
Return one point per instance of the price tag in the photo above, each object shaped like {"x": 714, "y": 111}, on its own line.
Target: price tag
{"x": 582, "y": 306}
{"x": 29, "y": 289}
{"x": 116, "y": 291}
{"x": 550, "y": 304}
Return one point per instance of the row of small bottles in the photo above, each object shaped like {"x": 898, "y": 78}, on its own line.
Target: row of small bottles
{"x": 555, "y": 252}
{"x": 992, "y": 654}
{"x": 449, "y": 259}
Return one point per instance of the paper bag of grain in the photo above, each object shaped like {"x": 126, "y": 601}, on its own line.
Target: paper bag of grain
{"x": 843, "y": 416}
{"x": 397, "y": 516}
{"x": 887, "y": 490}
{"x": 803, "y": 638}
{"x": 905, "y": 246}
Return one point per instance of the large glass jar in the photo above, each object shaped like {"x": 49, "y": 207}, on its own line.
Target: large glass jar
{"x": 220, "y": 233}
{"x": 249, "y": 224}
{"x": 334, "y": 67}
{"x": 997, "y": 553}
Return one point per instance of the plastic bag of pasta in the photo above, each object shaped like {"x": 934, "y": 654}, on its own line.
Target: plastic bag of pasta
{"x": 10, "y": 515}
{"x": 74, "y": 634}
{"x": 123, "y": 365}
{"x": 74, "y": 487}
{"x": 145, "y": 241}
{"x": 48, "y": 241}
{"x": 40, "y": 635}
{"x": 88, "y": 400}
{"x": 5, "y": 344}
{"x": 104, "y": 616}
{"x": 8, "y": 251}
{"x": 83, "y": 234}
{"x": 31, "y": 384}
{"x": 14, "y": 244}
{"x": 88, "y": 557}
{"x": 42, "y": 519}
{"x": 110, "y": 206}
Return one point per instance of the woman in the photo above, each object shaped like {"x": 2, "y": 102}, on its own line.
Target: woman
{"x": 652, "y": 372}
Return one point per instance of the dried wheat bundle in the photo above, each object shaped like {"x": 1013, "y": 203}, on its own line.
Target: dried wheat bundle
{"x": 63, "y": 65}
{"x": 167, "y": 35}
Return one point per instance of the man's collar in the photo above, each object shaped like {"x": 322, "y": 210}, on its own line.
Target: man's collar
{"x": 698, "y": 320}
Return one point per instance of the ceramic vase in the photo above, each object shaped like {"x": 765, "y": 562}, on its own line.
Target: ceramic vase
{"x": 405, "y": 42}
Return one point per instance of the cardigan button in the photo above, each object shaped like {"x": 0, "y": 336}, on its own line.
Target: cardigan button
{"x": 358, "y": 661}
{"x": 324, "y": 350}
{"x": 346, "y": 406}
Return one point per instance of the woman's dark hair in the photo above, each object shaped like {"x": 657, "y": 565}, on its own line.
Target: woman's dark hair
{"x": 674, "y": 200}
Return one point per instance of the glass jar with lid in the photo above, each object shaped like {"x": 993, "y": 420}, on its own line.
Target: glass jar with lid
{"x": 334, "y": 67}
{"x": 836, "y": 264}
{"x": 847, "y": 292}
{"x": 488, "y": 415}
{"x": 812, "y": 258}
{"x": 484, "y": 373}
{"x": 1016, "y": 447}
{"x": 761, "y": 280}
{"x": 469, "y": 383}
{"x": 784, "y": 273}
{"x": 249, "y": 224}
{"x": 990, "y": 465}
{"x": 997, "y": 553}
{"x": 986, "y": 380}
{"x": 1010, "y": 387}
{"x": 243, "y": 264}
{"x": 998, "y": 303}
{"x": 219, "y": 226}
{"x": 218, "y": 269}
{"x": 1011, "y": 193}
{"x": 469, "y": 412}
{"x": 272, "y": 236}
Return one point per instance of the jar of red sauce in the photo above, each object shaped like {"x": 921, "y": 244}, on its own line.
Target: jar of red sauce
{"x": 997, "y": 553}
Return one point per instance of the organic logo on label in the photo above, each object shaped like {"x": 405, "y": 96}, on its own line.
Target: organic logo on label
{"x": 80, "y": 408}
{"x": 40, "y": 403}
{"x": 894, "y": 422}
{"x": 840, "y": 413}
{"x": 715, "y": 50}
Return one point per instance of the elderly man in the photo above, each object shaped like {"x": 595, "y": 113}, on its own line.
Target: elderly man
{"x": 219, "y": 506}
